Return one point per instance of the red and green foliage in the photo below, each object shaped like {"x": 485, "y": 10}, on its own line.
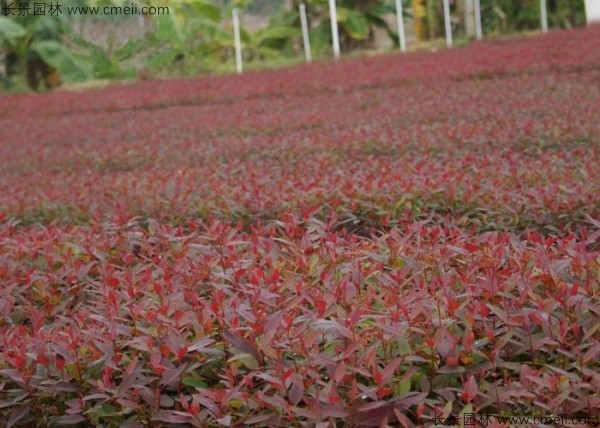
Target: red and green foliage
{"x": 383, "y": 240}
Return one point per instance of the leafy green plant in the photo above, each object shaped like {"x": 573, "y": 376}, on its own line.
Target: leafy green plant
{"x": 191, "y": 32}
{"x": 357, "y": 22}
{"x": 520, "y": 15}
{"x": 274, "y": 41}
{"x": 197, "y": 36}
{"x": 33, "y": 49}
{"x": 106, "y": 62}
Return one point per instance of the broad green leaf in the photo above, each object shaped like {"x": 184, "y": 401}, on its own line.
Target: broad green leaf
{"x": 355, "y": 23}
{"x": 320, "y": 38}
{"x": 207, "y": 11}
{"x": 47, "y": 27}
{"x": 467, "y": 412}
{"x": 276, "y": 33}
{"x": 195, "y": 382}
{"x": 102, "y": 65}
{"x": 245, "y": 359}
{"x": 131, "y": 47}
{"x": 10, "y": 30}
{"x": 246, "y": 37}
{"x": 381, "y": 9}
{"x": 161, "y": 59}
{"x": 72, "y": 370}
{"x": 168, "y": 29}
{"x": 61, "y": 58}
{"x": 403, "y": 387}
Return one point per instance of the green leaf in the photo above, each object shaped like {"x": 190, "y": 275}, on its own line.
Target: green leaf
{"x": 168, "y": 29}
{"x": 246, "y": 360}
{"x": 61, "y": 58}
{"x": 403, "y": 387}
{"x": 469, "y": 411}
{"x": 246, "y": 37}
{"x": 10, "y": 30}
{"x": 354, "y": 23}
{"x": 195, "y": 382}
{"x": 131, "y": 47}
{"x": 269, "y": 53}
{"x": 47, "y": 28}
{"x": 320, "y": 38}
{"x": 72, "y": 370}
{"x": 161, "y": 59}
{"x": 276, "y": 33}
{"x": 107, "y": 410}
{"x": 381, "y": 9}
{"x": 313, "y": 261}
{"x": 102, "y": 65}
{"x": 404, "y": 347}
{"x": 447, "y": 409}
{"x": 208, "y": 11}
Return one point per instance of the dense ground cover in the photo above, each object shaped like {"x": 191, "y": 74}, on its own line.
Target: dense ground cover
{"x": 379, "y": 240}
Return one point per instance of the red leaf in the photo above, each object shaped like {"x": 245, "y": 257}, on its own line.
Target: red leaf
{"x": 17, "y": 414}
{"x": 172, "y": 417}
{"x": 169, "y": 377}
{"x": 388, "y": 372}
{"x": 244, "y": 346}
{"x": 296, "y": 391}
{"x": 470, "y": 389}
{"x": 402, "y": 419}
{"x": 71, "y": 419}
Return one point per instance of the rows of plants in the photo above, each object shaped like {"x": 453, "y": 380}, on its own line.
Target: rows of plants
{"x": 396, "y": 240}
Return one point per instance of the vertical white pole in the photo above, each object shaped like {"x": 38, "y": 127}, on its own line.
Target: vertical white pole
{"x": 469, "y": 18}
{"x": 448, "y": 23}
{"x": 334, "y": 29}
{"x": 238, "y": 42}
{"x": 544, "y": 16}
{"x": 305, "y": 37}
{"x": 478, "y": 30}
{"x": 400, "y": 18}
{"x": 592, "y": 11}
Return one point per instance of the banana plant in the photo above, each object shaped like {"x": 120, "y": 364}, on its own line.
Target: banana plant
{"x": 197, "y": 35}
{"x": 105, "y": 62}
{"x": 179, "y": 36}
{"x": 33, "y": 48}
{"x": 518, "y": 15}
{"x": 271, "y": 42}
{"x": 357, "y": 20}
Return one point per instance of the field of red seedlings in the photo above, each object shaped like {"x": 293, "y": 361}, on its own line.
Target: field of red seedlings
{"x": 393, "y": 241}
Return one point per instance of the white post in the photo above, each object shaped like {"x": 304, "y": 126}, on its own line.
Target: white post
{"x": 478, "y": 30}
{"x": 592, "y": 11}
{"x": 544, "y": 16}
{"x": 448, "y": 23}
{"x": 334, "y": 29}
{"x": 238, "y": 42}
{"x": 305, "y": 37}
{"x": 400, "y": 18}
{"x": 469, "y": 17}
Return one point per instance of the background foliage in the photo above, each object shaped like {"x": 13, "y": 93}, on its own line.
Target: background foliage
{"x": 196, "y": 37}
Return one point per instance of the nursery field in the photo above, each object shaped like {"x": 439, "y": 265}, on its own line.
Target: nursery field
{"x": 404, "y": 240}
